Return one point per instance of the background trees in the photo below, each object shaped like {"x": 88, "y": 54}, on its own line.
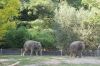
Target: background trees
{"x": 55, "y": 23}
{"x": 77, "y": 25}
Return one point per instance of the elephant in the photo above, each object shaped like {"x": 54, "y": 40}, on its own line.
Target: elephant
{"x": 76, "y": 48}
{"x": 32, "y": 46}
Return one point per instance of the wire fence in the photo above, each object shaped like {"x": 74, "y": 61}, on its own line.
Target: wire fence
{"x": 56, "y": 53}
{"x": 18, "y": 52}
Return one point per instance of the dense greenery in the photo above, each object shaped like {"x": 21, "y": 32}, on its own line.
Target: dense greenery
{"x": 55, "y": 23}
{"x": 8, "y": 10}
{"x": 16, "y": 37}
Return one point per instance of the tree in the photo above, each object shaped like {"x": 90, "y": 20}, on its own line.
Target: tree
{"x": 35, "y": 9}
{"x": 91, "y": 3}
{"x": 65, "y": 21}
{"x": 38, "y": 14}
{"x": 8, "y": 10}
{"x": 72, "y": 24}
{"x": 75, "y": 3}
{"x": 43, "y": 33}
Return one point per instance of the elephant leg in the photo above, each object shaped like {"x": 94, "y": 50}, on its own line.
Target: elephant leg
{"x": 31, "y": 52}
{"x": 24, "y": 52}
{"x": 79, "y": 54}
{"x": 71, "y": 54}
{"x": 75, "y": 54}
{"x": 36, "y": 53}
{"x": 41, "y": 52}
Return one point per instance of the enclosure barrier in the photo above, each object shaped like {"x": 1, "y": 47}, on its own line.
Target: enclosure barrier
{"x": 19, "y": 51}
{"x": 55, "y": 53}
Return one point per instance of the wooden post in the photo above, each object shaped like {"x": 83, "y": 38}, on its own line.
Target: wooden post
{"x": 41, "y": 52}
{"x": 61, "y": 52}
{"x": 1, "y": 50}
{"x": 97, "y": 52}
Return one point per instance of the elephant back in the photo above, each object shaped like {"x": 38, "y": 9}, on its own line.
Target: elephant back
{"x": 30, "y": 44}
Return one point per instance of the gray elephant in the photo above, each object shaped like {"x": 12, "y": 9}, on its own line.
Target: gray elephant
{"x": 76, "y": 48}
{"x": 32, "y": 46}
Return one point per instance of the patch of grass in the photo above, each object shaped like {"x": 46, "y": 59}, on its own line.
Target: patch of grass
{"x": 37, "y": 60}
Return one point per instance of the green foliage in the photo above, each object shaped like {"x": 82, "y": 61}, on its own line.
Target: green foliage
{"x": 75, "y": 3}
{"x": 91, "y": 3}
{"x": 45, "y": 37}
{"x": 5, "y": 27}
{"x": 66, "y": 19}
{"x": 15, "y": 38}
{"x": 88, "y": 28}
{"x": 50, "y": 21}
{"x": 36, "y": 9}
{"x": 77, "y": 25}
{"x": 41, "y": 32}
{"x": 8, "y": 10}
{"x": 39, "y": 29}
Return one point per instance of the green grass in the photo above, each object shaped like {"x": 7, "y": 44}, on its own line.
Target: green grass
{"x": 37, "y": 60}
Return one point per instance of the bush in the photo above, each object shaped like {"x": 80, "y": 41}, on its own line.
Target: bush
{"x": 45, "y": 36}
{"x": 15, "y": 38}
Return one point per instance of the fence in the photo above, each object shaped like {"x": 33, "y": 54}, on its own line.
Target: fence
{"x": 18, "y": 52}
{"x": 91, "y": 53}
{"x": 56, "y": 53}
